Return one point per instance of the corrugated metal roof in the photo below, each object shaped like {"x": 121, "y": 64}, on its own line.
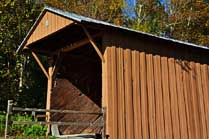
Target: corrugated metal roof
{"x": 79, "y": 18}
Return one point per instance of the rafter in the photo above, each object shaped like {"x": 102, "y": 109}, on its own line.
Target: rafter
{"x": 78, "y": 44}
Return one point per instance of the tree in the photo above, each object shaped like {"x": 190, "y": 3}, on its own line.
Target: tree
{"x": 188, "y": 21}
{"x": 149, "y": 16}
{"x": 106, "y": 10}
{"x": 16, "y": 18}
{"x": 184, "y": 20}
{"x": 20, "y": 78}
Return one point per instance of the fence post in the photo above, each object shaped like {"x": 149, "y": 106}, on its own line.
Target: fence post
{"x": 9, "y": 110}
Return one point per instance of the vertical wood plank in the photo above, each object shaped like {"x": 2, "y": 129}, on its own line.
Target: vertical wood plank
{"x": 46, "y": 27}
{"x": 62, "y": 22}
{"x": 136, "y": 95}
{"x": 109, "y": 94}
{"x": 159, "y": 98}
{"x": 174, "y": 99}
{"x": 181, "y": 100}
{"x": 201, "y": 104}
{"x": 194, "y": 100}
{"x": 208, "y": 70}
{"x": 104, "y": 86}
{"x": 144, "y": 107}
{"x": 187, "y": 96}
{"x": 151, "y": 97}
{"x": 166, "y": 98}
{"x": 128, "y": 95}
{"x": 121, "y": 95}
{"x": 50, "y": 27}
{"x": 43, "y": 25}
{"x": 41, "y": 29}
{"x": 205, "y": 81}
{"x": 58, "y": 22}
{"x": 55, "y": 23}
{"x": 114, "y": 93}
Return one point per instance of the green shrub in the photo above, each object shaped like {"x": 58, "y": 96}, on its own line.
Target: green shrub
{"x": 20, "y": 131}
{"x": 26, "y": 130}
{"x": 35, "y": 130}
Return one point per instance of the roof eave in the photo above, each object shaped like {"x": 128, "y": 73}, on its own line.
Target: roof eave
{"x": 21, "y": 46}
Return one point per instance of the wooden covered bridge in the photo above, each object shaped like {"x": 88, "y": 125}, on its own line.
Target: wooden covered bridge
{"x": 152, "y": 87}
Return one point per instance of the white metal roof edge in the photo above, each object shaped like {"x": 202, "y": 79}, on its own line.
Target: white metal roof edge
{"x": 80, "y": 18}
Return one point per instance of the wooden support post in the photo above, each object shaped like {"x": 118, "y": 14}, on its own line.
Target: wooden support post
{"x": 48, "y": 101}
{"x": 49, "y": 75}
{"x": 9, "y": 110}
{"x": 91, "y": 40}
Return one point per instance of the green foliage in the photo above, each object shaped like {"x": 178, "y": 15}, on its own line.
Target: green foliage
{"x": 22, "y": 130}
{"x": 19, "y": 129}
{"x": 180, "y": 19}
{"x": 188, "y": 21}
{"x": 21, "y": 78}
{"x": 106, "y": 10}
{"x": 16, "y": 82}
{"x": 2, "y": 123}
{"x": 149, "y": 17}
{"x": 26, "y": 130}
{"x": 35, "y": 130}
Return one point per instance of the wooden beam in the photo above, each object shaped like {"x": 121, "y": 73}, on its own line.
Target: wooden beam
{"x": 91, "y": 40}
{"x": 40, "y": 64}
{"x": 19, "y": 109}
{"x": 78, "y": 44}
{"x": 80, "y": 124}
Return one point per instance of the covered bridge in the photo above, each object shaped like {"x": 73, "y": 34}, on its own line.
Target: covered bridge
{"x": 152, "y": 87}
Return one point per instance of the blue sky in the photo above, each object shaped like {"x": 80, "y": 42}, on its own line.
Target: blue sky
{"x": 131, "y": 3}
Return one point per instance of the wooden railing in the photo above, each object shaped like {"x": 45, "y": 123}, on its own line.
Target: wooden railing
{"x": 11, "y": 109}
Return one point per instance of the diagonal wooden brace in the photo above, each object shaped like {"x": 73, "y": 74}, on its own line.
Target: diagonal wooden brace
{"x": 91, "y": 40}
{"x": 40, "y": 64}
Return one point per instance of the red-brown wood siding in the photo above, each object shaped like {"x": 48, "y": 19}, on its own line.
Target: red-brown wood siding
{"x": 49, "y": 24}
{"x": 67, "y": 96}
{"x": 153, "y": 96}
